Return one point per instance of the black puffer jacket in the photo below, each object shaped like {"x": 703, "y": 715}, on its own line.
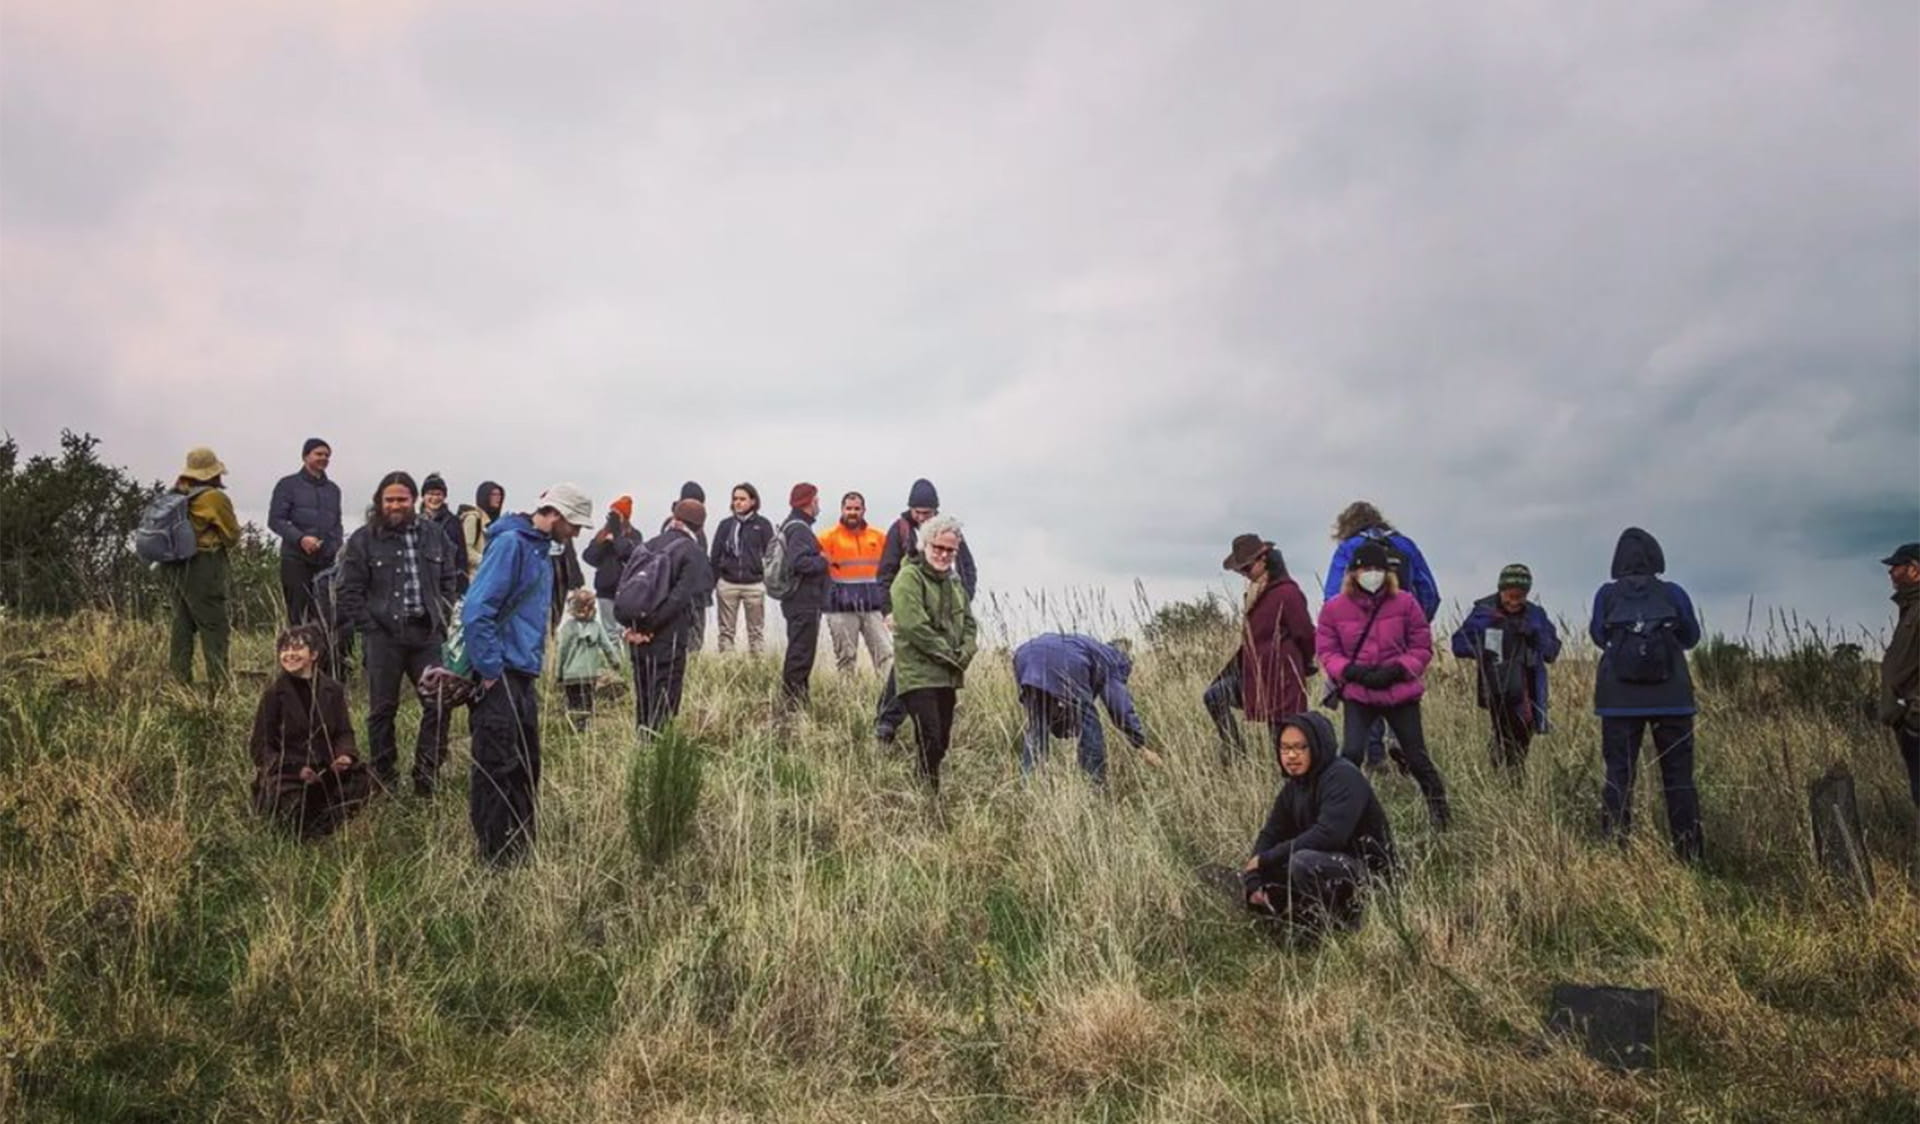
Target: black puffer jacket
{"x": 373, "y": 577}
{"x": 1332, "y": 809}
{"x": 306, "y": 505}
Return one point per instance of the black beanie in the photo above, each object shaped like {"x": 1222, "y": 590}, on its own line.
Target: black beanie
{"x": 433, "y": 483}
{"x": 692, "y": 491}
{"x": 923, "y": 495}
{"x": 312, "y": 444}
{"x": 1370, "y": 555}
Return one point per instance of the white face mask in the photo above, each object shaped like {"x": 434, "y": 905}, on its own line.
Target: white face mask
{"x": 1372, "y": 580}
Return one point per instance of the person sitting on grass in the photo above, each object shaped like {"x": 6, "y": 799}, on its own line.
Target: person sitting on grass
{"x": 585, "y": 651}
{"x": 307, "y": 770}
{"x": 1325, "y": 836}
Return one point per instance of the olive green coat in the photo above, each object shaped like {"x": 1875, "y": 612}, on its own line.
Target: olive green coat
{"x": 933, "y": 628}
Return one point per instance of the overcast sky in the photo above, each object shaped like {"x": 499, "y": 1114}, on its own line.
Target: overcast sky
{"x": 1122, "y": 279}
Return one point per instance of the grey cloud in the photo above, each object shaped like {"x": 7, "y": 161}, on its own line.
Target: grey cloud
{"x": 1123, "y": 282}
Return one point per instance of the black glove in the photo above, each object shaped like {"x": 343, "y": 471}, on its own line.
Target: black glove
{"x": 1387, "y": 674}
{"x": 1361, "y": 673}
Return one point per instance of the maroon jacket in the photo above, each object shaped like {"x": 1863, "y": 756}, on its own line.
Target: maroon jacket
{"x": 1276, "y": 653}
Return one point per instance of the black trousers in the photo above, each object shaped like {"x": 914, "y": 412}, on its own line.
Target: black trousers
{"x": 579, "y": 699}
{"x": 1222, "y": 697}
{"x": 931, "y": 709}
{"x": 1512, "y": 736}
{"x": 296, "y": 586}
{"x": 1620, "y": 740}
{"x": 658, "y": 679}
{"x": 1321, "y": 891}
{"x": 1405, "y": 723}
{"x": 1909, "y": 744}
{"x": 505, "y": 784}
{"x": 803, "y": 644}
{"x": 390, "y": 659}
{"x": 890, "y": 714}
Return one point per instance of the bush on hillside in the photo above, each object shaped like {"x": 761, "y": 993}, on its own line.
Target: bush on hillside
{"x": 66, "y": 540}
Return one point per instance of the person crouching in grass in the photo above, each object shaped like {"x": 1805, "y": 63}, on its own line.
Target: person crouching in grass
{"x": 308, "y": 775}
{"x": 585, "y": 650}
{"x": 1326, "y": 837}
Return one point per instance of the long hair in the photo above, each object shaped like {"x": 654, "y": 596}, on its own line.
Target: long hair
{"x": 1276, "y": 565}
{"x": 1357, "y": 517}
{"x": 1350, "y": 585}
{"x": 752, "y": 492}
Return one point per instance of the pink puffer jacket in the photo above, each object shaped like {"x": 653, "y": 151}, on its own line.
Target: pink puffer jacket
{"x": 1399, "y": 636}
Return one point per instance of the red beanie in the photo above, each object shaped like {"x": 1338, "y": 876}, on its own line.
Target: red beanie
{"x": 623, "y": 505}
{"x": 802, "y": 495}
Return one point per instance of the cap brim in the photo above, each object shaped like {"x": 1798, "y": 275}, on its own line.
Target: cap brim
{"x": 204, "y": 473}
{"x": 1896, "y": 560}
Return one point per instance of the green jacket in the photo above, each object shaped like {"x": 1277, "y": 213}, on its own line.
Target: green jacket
{"x": 585, "y": 650}
{"x": 1900, "y": 670}
{"x": 933, "y": 628}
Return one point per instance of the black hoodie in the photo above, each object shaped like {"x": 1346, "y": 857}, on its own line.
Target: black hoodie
{"x": 1332, "y": 809}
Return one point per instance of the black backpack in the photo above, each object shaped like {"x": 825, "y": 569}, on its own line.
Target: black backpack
{"x": 1641, "y": 625}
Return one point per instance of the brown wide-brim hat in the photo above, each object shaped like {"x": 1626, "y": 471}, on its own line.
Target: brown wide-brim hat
{"x": 1247, "y": 549}
{"x": 202, "y": 465}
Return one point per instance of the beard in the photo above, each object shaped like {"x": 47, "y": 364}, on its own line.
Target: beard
{"x": 399, "y": 520}
{"x": 853, "y": 522}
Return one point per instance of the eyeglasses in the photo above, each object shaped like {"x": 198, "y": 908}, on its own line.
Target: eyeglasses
{"x": 943, "y": 551}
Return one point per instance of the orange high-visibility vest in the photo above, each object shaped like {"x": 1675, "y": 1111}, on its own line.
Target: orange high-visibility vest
{"x": 852, "y": 556}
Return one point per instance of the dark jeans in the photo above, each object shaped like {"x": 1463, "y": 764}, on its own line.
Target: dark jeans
{"x": 697, "y": 628}
{"x": 505, "y": 784}
{"x": 803, "y": 643}
{"x": 1321, "y": 891}
{"x": 390, "y": 659}
{"x": 1512, "y": 736}
{"x": 198, "y": 590}
{"x": 1040, "y": 708}
{"x": 1909, "y": 744}
{"x": 296, "y": 585}
{"x": 1222, "y": 698}
{"x": 1405, "y": 721}
{"x": 890, "y": 714}
{"x": 1620, "y": 740}
{"x": 931, "y": 709}
{"x": 658, "y": 679}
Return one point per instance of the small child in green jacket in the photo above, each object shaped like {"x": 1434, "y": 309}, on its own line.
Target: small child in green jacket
{"x": 585, "y": 651}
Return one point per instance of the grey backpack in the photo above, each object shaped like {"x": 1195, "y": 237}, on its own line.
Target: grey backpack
{"x": 774, "y": 567}
{"x": 166, "y": 530}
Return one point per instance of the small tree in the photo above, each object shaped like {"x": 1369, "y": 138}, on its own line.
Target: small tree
{"x": 1202, "y": 622}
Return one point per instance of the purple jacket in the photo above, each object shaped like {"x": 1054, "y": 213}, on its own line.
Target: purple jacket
{"x": 1399, "y": 636}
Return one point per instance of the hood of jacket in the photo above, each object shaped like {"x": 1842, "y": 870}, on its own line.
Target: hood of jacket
{"x": 518, "y": 524}
{"x": 480, "y": 498}
{"x": 1322, "y": 745}
{"x": 1637, "y": 555}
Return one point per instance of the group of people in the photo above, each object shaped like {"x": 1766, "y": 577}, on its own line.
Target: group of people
{"x": 417, "y": 583}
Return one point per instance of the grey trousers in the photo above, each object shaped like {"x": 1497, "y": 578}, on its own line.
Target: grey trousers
{"x": 848, "y": 629}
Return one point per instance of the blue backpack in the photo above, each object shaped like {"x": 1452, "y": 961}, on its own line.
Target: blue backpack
{"x": 1642, "y": 625}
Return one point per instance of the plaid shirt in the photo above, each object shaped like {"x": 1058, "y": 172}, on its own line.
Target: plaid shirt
{"x": 412, "y": 605}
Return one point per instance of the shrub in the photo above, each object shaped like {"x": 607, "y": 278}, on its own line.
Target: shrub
{"x": 663, "y": 793}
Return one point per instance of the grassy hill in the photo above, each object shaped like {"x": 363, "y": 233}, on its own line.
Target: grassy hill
{"x": 829, "y": 946}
